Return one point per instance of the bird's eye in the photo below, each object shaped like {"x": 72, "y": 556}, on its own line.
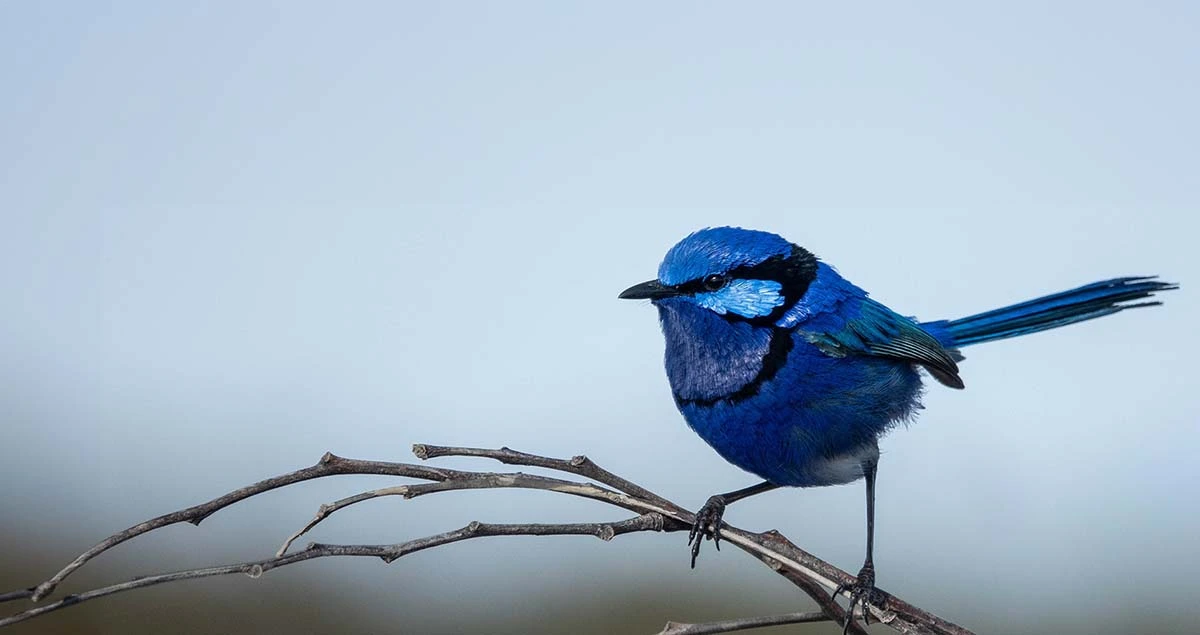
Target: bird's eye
{"x": 714, "y": 281}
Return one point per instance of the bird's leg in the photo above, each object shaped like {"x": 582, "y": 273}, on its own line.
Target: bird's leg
{"x": 708, "y": 519}
{"x": 862, "y": 590}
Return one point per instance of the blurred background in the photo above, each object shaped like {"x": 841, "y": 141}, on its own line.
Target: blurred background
{"x": 238, "y": 235}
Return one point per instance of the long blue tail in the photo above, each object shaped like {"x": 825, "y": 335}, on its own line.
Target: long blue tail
{"x": 1060, "y": 309}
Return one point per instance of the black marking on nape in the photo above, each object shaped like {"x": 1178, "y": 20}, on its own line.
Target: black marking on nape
{"x": 777, "y": 353}
{"x": 795, "y": 271}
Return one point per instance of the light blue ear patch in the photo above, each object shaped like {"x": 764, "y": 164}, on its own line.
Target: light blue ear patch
{"x": 747, "y": 298}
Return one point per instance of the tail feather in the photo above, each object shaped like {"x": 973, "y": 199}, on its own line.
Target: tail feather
{"x": 1052, "y": 311}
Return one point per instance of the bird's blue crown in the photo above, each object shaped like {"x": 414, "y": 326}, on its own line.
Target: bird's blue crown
{"x": 718, "y": 250}
{"x": 737, "y": 273}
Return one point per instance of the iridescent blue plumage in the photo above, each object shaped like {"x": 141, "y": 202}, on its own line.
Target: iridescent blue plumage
{"x": 825, "y": 401}
{"x": 718, "y": 250}
{"x": 792, "y": 373}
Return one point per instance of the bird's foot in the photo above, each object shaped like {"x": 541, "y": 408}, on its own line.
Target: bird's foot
{"x": 707, "y": 525}
{"x": 862, "y": 592}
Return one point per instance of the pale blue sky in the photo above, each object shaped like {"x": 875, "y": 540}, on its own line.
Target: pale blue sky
{"x": 238, "y": 235}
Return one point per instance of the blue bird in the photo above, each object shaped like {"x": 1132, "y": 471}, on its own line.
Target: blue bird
{"x": 792, "y": 373}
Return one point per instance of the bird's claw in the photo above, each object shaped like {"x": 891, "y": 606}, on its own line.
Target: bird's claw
{"x": 707, "y": 525}
{"x": 862, "y": 592}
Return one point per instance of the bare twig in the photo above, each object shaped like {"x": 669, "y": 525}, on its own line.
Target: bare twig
{"x": 387, "y": 553}
{"x": 579, "y": 464}
{"x": 329, "y": 465}
{"x": 486, "y": 481}
{"x": 742, "y": 624}
{"x": 655, "y": 513}
{"x": 811, "y": 574}
{"x": 19, "y": 594}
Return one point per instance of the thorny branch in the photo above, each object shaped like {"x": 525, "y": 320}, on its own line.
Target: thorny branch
{"x": 653, "y": 513}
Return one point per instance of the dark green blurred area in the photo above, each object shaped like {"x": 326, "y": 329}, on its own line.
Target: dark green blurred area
{"x": 295, "y": 600}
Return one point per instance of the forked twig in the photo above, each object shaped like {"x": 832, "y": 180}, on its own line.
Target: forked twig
{"x": 654, "y": 513}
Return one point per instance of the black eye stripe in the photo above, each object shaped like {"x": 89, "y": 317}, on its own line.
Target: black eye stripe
{"x": 795, "y": 267}
{"x": 692, "y": 287}
{"x": 795, "y": 271}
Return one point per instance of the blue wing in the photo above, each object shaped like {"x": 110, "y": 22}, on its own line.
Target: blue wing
{"x": 878, "y": 331}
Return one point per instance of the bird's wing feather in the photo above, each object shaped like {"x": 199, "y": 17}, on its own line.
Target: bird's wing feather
{"x": 879, "y": 331}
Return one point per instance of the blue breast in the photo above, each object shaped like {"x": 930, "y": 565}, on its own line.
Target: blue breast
{"x": 772, "y": 403}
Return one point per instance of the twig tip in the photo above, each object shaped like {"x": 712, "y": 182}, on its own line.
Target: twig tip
{"x": 421, "y": 451}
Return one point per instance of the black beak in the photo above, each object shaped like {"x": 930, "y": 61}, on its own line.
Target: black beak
{"x": 651, "y": 290}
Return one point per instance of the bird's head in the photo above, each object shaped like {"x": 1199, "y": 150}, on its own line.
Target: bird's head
{"x": 740, "y": 274}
